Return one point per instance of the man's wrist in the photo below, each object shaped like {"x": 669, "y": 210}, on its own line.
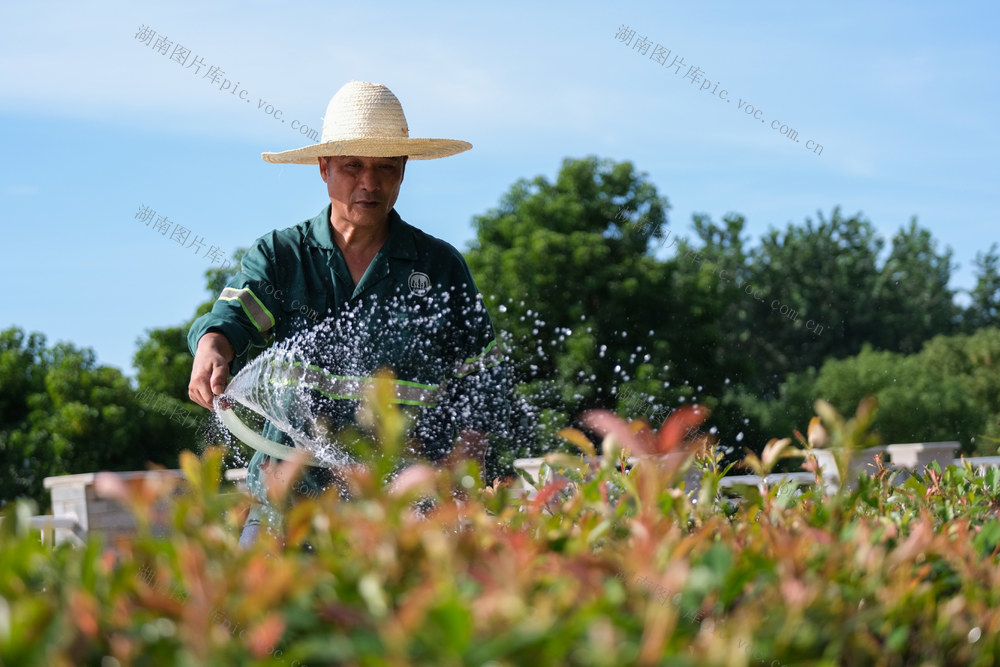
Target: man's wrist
{"x": 217, "y": 342}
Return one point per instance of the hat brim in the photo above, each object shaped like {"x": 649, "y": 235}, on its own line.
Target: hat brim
{"x": 414, "y": 149}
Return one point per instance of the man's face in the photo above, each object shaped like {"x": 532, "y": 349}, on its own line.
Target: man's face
{"x": 362, "y": 189}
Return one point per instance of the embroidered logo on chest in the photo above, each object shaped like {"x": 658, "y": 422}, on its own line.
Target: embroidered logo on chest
{"x": 420, "y": 283}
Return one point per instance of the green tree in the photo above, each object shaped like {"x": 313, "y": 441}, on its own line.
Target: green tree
{"x": 818, "y": 290}
{"x": 812, "y": 292}
{"x": 163, "y": 361}
{"x": 720, "y": 270}
{"x": 568, "y": 270}
{"x": 63, "y": 414}
{"x": 826, "y": 272}
{"x": 984, "y": 310}
{"x": 914, "y": 302}
{"x": 950, "y": 390}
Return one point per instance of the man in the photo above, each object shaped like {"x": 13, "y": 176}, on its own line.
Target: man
{"x": 391, "y": 295}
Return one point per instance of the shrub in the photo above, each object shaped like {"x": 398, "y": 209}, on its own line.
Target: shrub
{"x": 605, "y": 566}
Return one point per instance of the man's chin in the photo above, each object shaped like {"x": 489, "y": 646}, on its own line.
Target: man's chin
{"x": 364, "y": 217}
{"x": 374, "y": 215}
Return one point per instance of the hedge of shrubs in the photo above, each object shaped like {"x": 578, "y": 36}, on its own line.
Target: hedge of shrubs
{"x": 607, "y": 565}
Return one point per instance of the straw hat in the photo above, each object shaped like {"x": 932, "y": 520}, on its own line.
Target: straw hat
{"x": 367, "y": 120}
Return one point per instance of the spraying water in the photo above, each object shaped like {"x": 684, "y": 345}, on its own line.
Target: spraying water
{"x": 310, "y": 386}
{"x": 271, "y": 385}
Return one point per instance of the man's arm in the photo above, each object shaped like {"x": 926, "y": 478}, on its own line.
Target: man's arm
{"x": 210, "y": 371}
{"x": 240, "y": 319}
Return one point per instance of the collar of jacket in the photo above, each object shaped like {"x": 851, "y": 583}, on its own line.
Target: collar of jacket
{"x": 400, "y": 243}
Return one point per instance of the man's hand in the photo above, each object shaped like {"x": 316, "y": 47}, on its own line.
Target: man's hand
{"x": 211, "y": 368}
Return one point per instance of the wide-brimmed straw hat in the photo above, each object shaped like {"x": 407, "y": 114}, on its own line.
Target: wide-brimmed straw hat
{"x": 367, "y": 120}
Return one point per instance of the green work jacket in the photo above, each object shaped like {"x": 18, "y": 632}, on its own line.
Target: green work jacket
{"x": 415, "y": 310}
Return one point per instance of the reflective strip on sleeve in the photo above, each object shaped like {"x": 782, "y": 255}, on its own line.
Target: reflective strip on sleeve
{"x": 255, "y": 310}
{"x": 490, "y": 356}
{"x": 354, "y": 386}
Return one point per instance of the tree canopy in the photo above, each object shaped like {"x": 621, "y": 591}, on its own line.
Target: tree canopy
{"x": 593, "y": 310}
{"x": 62, "y": 413}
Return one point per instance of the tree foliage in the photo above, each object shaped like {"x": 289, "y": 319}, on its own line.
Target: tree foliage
{"x": 984, "y": 311}
{"x": 568, "y": 272}
{"x": 949, "y": 391}
{"x": 61, "y": 413}
{"x": 589, "y": 305}
{"x": 838, "y": 295}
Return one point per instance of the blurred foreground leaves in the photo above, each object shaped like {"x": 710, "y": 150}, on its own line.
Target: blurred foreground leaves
{"x": 609, "y": 565}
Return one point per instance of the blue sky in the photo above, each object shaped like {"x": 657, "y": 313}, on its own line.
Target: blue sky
{"x": 903, "y": 97}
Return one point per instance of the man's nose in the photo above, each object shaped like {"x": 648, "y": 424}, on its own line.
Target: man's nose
{"x": 367, "y": 179}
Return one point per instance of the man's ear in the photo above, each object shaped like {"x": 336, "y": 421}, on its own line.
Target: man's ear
{"x": 322, "y": 167}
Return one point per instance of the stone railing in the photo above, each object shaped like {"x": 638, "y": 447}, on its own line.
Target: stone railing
{"x": 907, "y": 456}
{"x": 79, "y": 508}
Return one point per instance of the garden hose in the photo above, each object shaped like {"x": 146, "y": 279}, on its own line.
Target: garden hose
{"x": 250, "y": 437}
